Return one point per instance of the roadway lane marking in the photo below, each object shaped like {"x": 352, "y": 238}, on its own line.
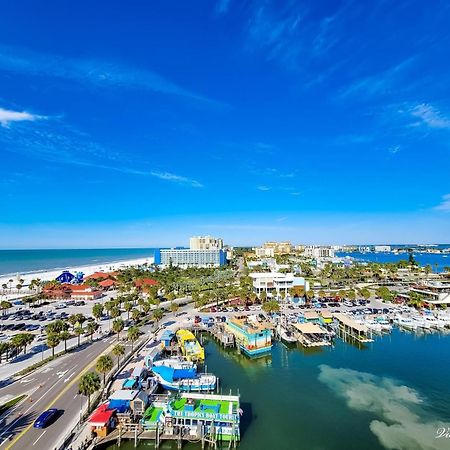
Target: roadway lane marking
{"x": 69, "y": 377}
{"x": 27, "y": 381}
{"x": 39, "y": 437}
{"x": 52, "y": 402}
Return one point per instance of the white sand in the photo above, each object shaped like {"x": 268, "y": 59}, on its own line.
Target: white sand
{"x": 87, "y": 270}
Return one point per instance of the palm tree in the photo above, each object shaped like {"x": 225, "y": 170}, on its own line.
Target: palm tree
{"x": 104, "y": 365}
{"x": 65, "y": 335}
{"x": 157, "y": 314}
{"x": 174, "y": 307}
{"x": 133, "y": 335}
{"x": 118, "y": 350}
{"x": 115, "y": 312}
{"x": 78, "y": 331}
{"x": 128, "y": 307}
{"x": 271, "y": 306}
{"x": 4, "y": 348}
{"x": 97, "y": 311}
{"x": 4, "y": 306}
{"x": 135, "y": 314}
{"x": 118, "y": 326}
{"x": 53, "y": 339}
{"x": 91, "y": 328}
{"x": 89, "y": 383}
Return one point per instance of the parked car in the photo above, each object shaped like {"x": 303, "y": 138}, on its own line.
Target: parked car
{"x": 80, "y": 303}
{"x": 46, "y": 418}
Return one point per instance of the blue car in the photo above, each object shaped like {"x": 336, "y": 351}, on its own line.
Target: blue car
{"x": 46, "y": 418}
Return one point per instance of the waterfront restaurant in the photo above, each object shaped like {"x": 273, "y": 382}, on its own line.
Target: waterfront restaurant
{"x": 253, "y": 338}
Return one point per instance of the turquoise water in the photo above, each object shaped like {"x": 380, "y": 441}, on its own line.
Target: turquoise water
{"x": 341, "y": 398}
{"x": 422, "y": 258}
{"x": 23, "y": 261}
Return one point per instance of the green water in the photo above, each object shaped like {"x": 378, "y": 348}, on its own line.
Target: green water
{"x": 345, "y": 397}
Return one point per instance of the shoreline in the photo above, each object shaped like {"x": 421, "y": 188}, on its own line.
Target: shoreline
{"x": 50, "y": 274}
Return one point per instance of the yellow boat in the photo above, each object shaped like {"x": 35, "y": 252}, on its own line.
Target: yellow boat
{"x": 190, "y": 347}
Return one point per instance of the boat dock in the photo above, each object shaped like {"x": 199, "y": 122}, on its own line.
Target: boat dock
{"x": 349, "y": 328}
{"x": 311, "y": 335}
{"x": 224, "y": 338}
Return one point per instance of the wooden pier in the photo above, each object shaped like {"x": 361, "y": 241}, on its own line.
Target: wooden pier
{"x": 160, "y": 433}
{"x": 348, "y": 328}
{"x": 221, "y": 335}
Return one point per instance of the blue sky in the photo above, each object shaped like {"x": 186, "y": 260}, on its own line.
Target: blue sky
{"x": 140, "y": 123}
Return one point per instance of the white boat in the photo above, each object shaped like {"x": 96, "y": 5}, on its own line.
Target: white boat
{"x": 385, "y": 324}
{"x": 373, "y": 325}
{"x": 405, "y": 322}
{"x": 421, "y": 323}
{"x": 431, "y": 321}
{"x": 287, "y": 336}
{"x": 444, "y": 320}
{"x": 176, "y": 374}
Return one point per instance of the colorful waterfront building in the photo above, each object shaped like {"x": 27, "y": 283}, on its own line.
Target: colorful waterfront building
{"x": 252, "y": 337}
{"x": 203, "y": 415}
{"x": 190, "y": 347}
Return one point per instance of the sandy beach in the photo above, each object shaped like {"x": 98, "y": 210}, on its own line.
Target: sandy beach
{"x": 86, "y": 269}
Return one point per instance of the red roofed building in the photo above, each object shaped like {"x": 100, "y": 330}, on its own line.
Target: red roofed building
{"x": 84, "y": 292}
{"x": 107, "y": 284}
{"x": 101, "y": 276}
{"x": 102, "y": 420}
{"x": 146, "y": 282}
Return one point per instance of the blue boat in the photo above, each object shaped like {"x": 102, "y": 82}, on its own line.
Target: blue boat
{"x": 178, "y": 375}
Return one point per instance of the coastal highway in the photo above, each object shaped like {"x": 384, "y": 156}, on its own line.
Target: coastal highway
{"x": 53, "y": 386}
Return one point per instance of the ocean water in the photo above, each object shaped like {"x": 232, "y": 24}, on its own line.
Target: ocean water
{"x": 24, "y": 261}
{"x": 393, "y": 393}
{"x": 422, "y": 258}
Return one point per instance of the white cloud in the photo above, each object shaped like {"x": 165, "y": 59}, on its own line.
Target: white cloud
{"x": 263, "y": 188}
{"x": 403, "y": 423}
{"x": 94, "y": 72}
{"x": 445, "y": 204}
{"x": 7, "y": 117}
{"x": 177, "y": 179}
{"x": 429, "y": 116}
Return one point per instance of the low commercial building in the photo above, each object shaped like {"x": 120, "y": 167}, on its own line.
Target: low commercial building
{"x": 433, "y": 292}
{"x": 273, "y": 283}
{"x": 190, "y": 258}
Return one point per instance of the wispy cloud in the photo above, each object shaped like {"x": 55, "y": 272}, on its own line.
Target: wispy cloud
{"x": 429, "y": 116}
{"x": 445, "y": 204}
{"x": 7, "y": 117}
{"x": 91, "y": 72}
{"x": 178, "y": 179}
{"x": 56, "y": 142}
{"x": 394, "y": 149}
{"x": 263, "y": 188}
{"x": 378, "y": 84}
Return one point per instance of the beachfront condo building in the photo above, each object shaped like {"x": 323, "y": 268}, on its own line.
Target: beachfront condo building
{"x": 279, "y": 248}
{"x": 262, "y": 252}
{"x": 205, "y": 243}
{"x": 185, "y": 257}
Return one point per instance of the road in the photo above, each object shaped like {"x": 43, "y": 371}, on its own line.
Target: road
{"x": 55, "y": 386}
